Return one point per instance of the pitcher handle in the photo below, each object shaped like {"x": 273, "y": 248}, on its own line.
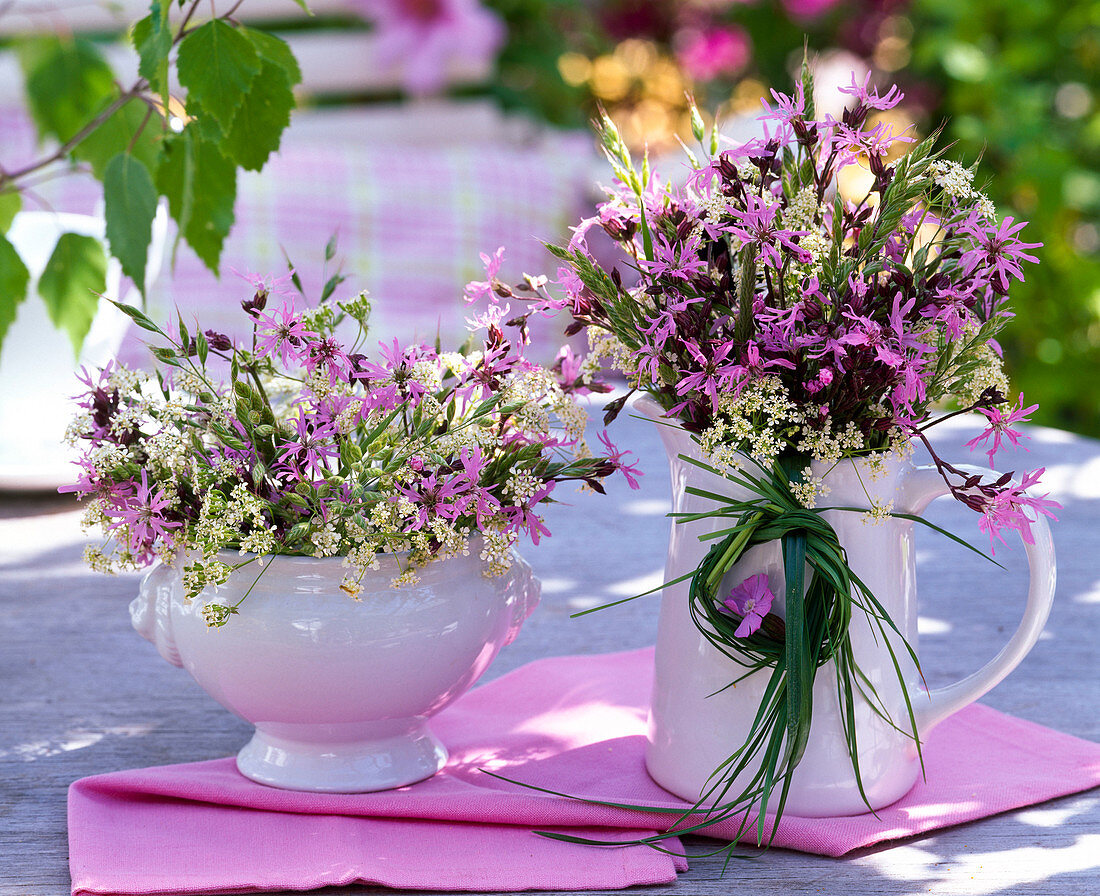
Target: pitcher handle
{"x": 924, "y": 484}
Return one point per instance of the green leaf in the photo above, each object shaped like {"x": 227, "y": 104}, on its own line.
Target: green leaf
{"x": 10, "y": 203}
{"x": 201, "y": 186}
{"x": 71, "y": 284}
{"x": 138, "y": 317}
{"x": 118, "y": 134}
{"x": 152, "y": 38}
{"x": 14, "y": 279}
{"x": 217, "y": 64}
{"x": 130, "y": 204}
{"x": 265, "y": 110}
{"x": 277, "y": 52}
{"x": 67, "y": 83}
{"x": 258, "y": 126}
{"x": 330, "y": 286}
{"x": 800, "y": 671}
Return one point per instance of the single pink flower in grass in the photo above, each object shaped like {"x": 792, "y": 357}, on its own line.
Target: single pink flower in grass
{"x": 1010, "y": 508}
{"x": 999, "y": 429}
{"x": 752, "y": 601}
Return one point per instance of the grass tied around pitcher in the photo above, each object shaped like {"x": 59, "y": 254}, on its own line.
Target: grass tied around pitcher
{"x": 820, "y": 294}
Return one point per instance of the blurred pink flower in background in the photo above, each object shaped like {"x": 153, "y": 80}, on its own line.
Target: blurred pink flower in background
{"x": 808, "y": 9}
{"x": 428, "y": 40}
{"x": 712, "y": 52}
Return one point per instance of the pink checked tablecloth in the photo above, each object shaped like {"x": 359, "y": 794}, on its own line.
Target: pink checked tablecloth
{"x": 415, "y": 193}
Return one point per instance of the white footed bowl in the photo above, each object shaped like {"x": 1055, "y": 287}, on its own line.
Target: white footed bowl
{"x": 340, "y": 690}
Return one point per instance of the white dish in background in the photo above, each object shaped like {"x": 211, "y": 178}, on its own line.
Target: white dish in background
{"x": 38, "y": 373}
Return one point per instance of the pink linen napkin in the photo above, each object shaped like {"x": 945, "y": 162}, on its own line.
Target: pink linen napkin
{"x": 572, "y": 724}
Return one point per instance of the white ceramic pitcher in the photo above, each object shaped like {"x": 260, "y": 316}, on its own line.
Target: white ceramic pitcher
{"x": 692, "y": 729}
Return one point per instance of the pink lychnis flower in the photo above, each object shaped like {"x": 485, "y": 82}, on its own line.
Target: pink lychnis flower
{"x": 1013, "y": 508}
{"x": 868, "y": 95}
{"x": 313, "y": 442}
{"x": 522, "y": 516}
{"x": 996, "y": 252}
{"x": 758, "y": 224}
{"x": 1000, "y": 427}
{"x": 479, "y": 290}
{"x": 283, "y": 335}
{"x": 752, "y": 601}
{"x": 435, "y": 495}
{"x": 276, "y": 286}
{"x": 142, "y": 512}
{"x": 618, "y": 458}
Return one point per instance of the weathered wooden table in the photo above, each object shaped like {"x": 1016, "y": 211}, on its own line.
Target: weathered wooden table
{"x": 82, "y": 694}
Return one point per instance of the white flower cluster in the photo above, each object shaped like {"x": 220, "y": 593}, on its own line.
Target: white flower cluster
{"x": 429, "y": 374}
{"x": 952, "y": 178}
{"x": 496, "y": 551}
{"x": 759, "y": 422}
{"x": 958, "y": 182}
{"x": 987, "y": 373}
{"x": 810, "y": 488}
{"x": 203, "y": 573}
{"x": 829, "y": 445}
{"x": 605, "y": 345}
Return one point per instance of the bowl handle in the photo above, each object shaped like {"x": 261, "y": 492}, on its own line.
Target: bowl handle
{"x": 151, "y": 611}
{"x": 526, "y": 590}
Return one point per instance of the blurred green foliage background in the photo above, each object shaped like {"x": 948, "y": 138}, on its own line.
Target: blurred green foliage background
{"x": 1020, "y": 84}
{"x": 1015, "y": 83}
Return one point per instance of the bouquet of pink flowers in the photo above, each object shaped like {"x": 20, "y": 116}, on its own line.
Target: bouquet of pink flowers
{"x": 298, "y": 443}
{"x": 810, "y": 296}
{"x": 774, "y": 314}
